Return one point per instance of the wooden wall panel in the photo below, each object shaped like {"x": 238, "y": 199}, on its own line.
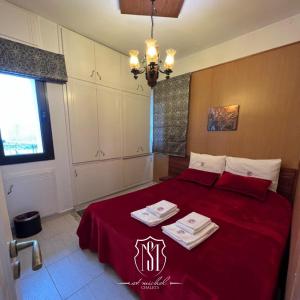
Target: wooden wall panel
{"x": 164, "y": 8}
{"x": 267, "y": 88}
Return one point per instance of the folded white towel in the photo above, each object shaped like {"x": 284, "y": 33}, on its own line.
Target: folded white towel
{"x": 187, "y": 240}
{"x": 146, "y": 217}
{"x": 193, "y": 222}
{"x": 162, "y": 208}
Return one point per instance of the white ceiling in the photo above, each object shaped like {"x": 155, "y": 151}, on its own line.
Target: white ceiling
{"x": 201, "y": 24}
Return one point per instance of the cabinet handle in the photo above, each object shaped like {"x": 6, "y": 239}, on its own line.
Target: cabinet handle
{"x": 92, "y": 74}
{"x": 99, "y": 76}
{"x": 75, "y": 172}
{"x": 10, "y": 190}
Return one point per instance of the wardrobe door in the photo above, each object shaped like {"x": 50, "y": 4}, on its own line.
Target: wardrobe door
{"x": 80, "y": 56}
{"x": 82, "y": 103}
{"x": 145, "y": 141}
{"x": 135, "y": 124}
{"x": 138, "y": 170}
{"x": 108, "y": 66}
{"x": 97, "y": 179}
{"x": 109, "y": 115}
{"x": 17, "y": 23}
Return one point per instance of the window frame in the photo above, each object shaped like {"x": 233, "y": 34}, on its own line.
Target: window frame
{"x": 46, "y": 133}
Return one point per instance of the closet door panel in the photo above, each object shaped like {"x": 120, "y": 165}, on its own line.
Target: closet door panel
{"x": 108, "y": 66}
{"x": 109, "y": 114}
{"x": 17, "y": 23}
{"x": 133, "y": 124}
{"x": 145, "y": 143}
{"x": 138, "y": 170}
{"x": 82, "y": 100}
{"x": 96, "y": 180}
{"x": 80, "y": 55}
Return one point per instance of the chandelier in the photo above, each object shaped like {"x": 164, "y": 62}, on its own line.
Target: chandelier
{"x": 151, "y": 63}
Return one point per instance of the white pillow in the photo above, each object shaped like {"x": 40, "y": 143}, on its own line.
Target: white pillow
{"x": 260, "y": 168}
{"x": 206, "y": 162}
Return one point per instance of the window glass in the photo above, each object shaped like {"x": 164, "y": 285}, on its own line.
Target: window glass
{"x": 19, "y": 116}
{"x": 25, "y": 127}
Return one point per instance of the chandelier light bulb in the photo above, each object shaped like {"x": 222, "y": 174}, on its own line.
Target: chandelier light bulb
{"x": 169, "y": 62}
{"x": 134, "y": 59}
{"x": 151, "y": 51}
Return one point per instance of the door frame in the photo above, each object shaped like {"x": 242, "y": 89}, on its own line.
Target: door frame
{"x": 8, "y": 290}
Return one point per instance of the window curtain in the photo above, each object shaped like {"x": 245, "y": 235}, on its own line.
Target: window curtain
{"x": 170, "y": 115}
{"x": 20, "y": 59}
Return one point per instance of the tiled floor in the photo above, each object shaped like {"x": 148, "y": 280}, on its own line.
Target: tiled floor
{"x": 68, "y": 272}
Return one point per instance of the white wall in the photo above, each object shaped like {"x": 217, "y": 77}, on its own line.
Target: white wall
{"x": 43, "y": 186}
{"x": 278, "y": 34}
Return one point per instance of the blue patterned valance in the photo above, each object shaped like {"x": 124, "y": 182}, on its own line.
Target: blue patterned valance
{"x": 170, "y": 115}
{"x": 20, "y": 59}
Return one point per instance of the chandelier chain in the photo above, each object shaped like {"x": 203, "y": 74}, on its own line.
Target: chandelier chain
{"x": 152, "y": 22}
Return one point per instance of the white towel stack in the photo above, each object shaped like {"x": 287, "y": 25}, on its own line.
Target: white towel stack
{"x": 191, "y": 230}
{"x": 155, "y": 214}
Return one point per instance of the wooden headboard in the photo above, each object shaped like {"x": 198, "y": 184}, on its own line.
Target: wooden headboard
{"x": 286, "y": 184}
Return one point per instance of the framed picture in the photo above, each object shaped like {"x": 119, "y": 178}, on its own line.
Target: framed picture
{"x": 223, "y": 118}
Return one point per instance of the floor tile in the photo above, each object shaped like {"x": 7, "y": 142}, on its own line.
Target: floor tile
{"x": 37, "y": 286}
{"x": 56, "y": 226}
{"x": 74, "y": 271}
{"x": 102, "y": 288}
{"x": 58, "y": 247}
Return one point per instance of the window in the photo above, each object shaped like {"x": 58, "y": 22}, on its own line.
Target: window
{"x": 25, "y": 129}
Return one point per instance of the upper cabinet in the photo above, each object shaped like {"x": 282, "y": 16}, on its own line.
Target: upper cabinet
{"x": 49, "y": 35}
{"x": 18, "y": 24}
{"x": 89, "y": 61}
{"x": 107, "y": 68}
{"x": 80, "y": 55}
{"x": 138, "y": 86}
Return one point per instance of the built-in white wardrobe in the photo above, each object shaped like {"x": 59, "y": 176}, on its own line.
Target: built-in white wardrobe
{"x": 109, "y": 120}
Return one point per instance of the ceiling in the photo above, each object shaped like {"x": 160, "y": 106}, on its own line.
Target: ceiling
{"x": 201, "y": 23}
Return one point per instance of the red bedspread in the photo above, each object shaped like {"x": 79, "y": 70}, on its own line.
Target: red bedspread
{"x": 240, "y": 261}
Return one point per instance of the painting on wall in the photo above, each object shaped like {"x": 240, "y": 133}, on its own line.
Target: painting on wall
{"x": 223, "y": 118}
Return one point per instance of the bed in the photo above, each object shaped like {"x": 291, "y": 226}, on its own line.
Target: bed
{"x": 240, "y": 261}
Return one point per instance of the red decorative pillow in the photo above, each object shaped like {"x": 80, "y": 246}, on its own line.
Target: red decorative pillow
{"x": 199, "y": 176}
{"x": 249, "y": 186}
